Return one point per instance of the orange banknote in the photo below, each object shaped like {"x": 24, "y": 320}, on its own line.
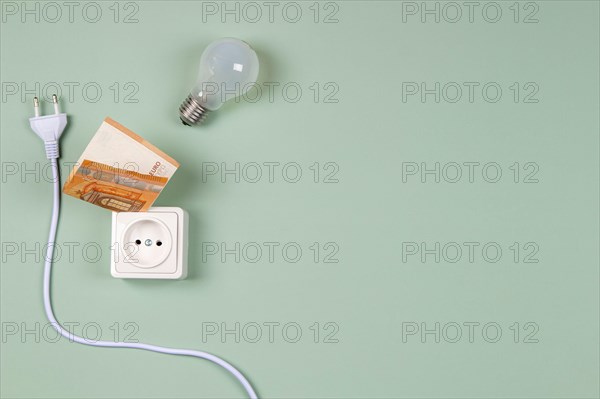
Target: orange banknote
{"x": 120, "y": 171}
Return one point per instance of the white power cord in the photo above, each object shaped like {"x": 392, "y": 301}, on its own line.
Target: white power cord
{"x": 50, "y": 128}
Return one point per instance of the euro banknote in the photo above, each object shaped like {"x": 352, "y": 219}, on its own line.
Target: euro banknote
{"x": 120, "y": 171}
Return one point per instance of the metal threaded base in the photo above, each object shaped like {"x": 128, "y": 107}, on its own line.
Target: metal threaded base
{"x": 192, "y": 113}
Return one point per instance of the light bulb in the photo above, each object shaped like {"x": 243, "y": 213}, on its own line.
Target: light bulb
{"x": 228, "y": 69}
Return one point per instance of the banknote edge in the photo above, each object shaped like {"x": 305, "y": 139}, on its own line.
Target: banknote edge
{"x": 141, "y": 140}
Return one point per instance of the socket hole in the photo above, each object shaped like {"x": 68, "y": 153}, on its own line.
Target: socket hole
{"x": 158, "y": 243}
{"x": 138, "y": 242}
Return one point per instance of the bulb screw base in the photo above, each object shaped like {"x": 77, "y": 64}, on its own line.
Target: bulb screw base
{"x": 192, "y": 113}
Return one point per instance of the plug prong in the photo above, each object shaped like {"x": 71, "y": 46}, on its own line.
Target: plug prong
{"x": 36, "y": 106}
{"x": 55, "y": 101}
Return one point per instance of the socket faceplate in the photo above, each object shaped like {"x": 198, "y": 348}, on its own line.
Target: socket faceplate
{"x": 150, "y": 245}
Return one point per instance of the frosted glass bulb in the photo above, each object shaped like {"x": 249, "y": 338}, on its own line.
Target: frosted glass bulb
{"x": 228, "y": 69}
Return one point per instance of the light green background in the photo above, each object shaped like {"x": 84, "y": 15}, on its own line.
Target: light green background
{"x": 369, "y": 133}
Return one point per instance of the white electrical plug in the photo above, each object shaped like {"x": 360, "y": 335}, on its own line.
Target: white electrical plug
{"x": 150, "y": 245}
{"x": 48, "y": 127}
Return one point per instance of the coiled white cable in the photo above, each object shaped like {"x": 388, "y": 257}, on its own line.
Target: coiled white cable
{"x": 50, "y": 314}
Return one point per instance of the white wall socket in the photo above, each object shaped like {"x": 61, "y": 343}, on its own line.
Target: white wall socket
{"x": 150, "y": 244}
